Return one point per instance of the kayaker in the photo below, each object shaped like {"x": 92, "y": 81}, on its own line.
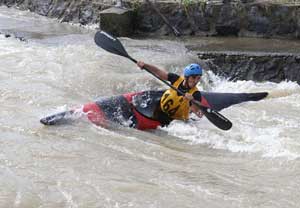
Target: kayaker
{"x": 172, "y": 104}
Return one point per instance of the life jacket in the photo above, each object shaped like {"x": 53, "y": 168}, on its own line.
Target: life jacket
{"x": 174, "y": 105}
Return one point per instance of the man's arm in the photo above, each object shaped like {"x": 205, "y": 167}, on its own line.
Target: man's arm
{"x": 196, "y": 111}
{"x": 157, "y": 71}
{"x": 197, "y": 96}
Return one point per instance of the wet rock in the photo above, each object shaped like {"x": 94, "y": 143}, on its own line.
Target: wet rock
{"x": 294, "y": 64}
{"x": 148, "y": 20}
{"x": 298, "y": 23}
{"x": 196, "y": 19}
{"x": 86, "y": 15}
{"x": 13, "y": 35}
{"x": 40, "y": 7}
{"x": 283, "y": 22}
{"x": 228, "y": 21}
{"x": 117, "y": 21}
{"x": 258, "y": 67}
{"x": 257, "y": 21}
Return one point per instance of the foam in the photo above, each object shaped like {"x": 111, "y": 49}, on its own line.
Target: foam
{"x": 262, "y": 127}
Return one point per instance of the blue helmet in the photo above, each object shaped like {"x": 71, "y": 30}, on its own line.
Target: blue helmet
{"x": 192, "y": 69}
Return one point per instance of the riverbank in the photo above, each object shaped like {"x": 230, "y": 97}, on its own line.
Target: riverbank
{"x": 267, "y": 19}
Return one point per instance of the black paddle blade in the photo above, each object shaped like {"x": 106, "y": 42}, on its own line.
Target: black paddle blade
{"x": 216, "y": 118}
{"x": 58, "y": 118}
{"x": 110, "y": 43}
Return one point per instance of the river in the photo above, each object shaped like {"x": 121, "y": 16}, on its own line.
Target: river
{"x": 184, "y": 165}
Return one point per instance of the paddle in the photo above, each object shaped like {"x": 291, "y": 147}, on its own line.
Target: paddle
{"x": 113, "y": 45}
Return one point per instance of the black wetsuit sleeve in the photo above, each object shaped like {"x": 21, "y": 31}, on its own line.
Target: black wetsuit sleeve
{"x": 172, "y": 77}
{"x": 197, "y": 96}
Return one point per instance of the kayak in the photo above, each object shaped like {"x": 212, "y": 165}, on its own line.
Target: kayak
{"x": 137, "y": 109}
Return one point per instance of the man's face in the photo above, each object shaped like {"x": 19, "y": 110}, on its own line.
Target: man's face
{"x": 193, "y": 80}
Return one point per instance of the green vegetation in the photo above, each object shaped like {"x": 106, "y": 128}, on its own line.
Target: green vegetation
{"x": 136, "y": 4}
{"x": 189, "y": 2}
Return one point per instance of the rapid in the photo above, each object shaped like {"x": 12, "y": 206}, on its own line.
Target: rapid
{"x": 184, "y": 165}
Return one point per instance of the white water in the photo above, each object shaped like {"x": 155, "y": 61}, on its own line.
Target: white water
{"x": 255, "y": 164}
{"x": 269, "y": 127}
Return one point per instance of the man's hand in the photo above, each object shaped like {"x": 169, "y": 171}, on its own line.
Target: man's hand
{"x": 140, "y": 64}
{"x": 188, "y": 96}
{"x": 160, "y": 73}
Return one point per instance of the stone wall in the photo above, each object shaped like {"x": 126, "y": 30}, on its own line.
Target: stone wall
{"x": 273, "y": 67}
{"x": 204, "y": 19}
{"x": 76, "y": 11}
{"x": 234, "y": 19}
